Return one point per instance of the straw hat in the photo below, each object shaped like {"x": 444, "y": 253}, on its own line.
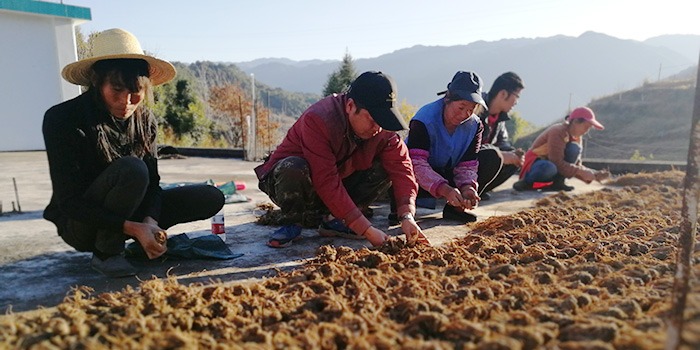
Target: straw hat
{"x": 117, "y": 43}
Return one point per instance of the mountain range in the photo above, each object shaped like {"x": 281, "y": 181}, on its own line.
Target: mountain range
{"x": 559, "y": 72}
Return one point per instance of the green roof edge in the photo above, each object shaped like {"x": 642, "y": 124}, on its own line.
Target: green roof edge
{"x": 46, "y": 8}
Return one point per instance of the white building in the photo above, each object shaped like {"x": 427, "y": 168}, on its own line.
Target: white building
{"x": 36, "y": 40}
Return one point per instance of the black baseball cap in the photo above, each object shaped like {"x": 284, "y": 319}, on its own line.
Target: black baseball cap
{"x": 376, "y": 92}
{"x": 466, "y": 86}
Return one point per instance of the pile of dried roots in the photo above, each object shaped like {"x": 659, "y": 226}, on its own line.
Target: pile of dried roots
{"x": 585, "y": 272}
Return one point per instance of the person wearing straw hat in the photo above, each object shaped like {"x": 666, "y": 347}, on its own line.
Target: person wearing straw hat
{"x": 101, "y": 149}
{"x": 555, "y": 155}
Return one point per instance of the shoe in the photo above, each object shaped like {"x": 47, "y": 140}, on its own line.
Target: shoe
{"x": 336, "y": 228}
{"x": 114, "y": 266}
{"x": 393, "y": 219}
{"x": 558, "y": 184}
{"x": 521, "y": 185}
{"x": 284, "y": 236}
{"x": 484, "y": 196}
{"x": 452, "y": 213}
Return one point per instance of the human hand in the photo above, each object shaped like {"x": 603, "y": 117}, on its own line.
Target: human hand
{"x": 454, "y": 197}
{"x": 587, "y": 175}
{"x": 150, "y": 237}
{"x": 512, "y": 158}
{"x": 375, "y": 236}
{"x": 413, "y": 232}
{"x": 470, "y": 198}
{"x": 601, "y": 175}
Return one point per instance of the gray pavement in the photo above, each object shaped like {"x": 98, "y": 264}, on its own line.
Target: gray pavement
{"x": 37, "y": 269}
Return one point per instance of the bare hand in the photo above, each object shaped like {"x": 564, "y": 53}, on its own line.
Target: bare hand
{"x": 413, "y": 232}
{"x": 586, "y": 176}
{"x": 601, "y": 175}
{"x": 470, "y": 198}
{"x": 454, "y": 198}
{"x": 375, "y": 236}
{"x": 145, "y": 234}
{"x": 512, "y": 158}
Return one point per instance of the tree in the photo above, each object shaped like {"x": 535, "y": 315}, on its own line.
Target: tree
{"x": 519, "y": 127}
{"x": 266, "y": 128}
{"x": 231, "y": 107}
{"x": 341, "y": 78}
{"x": 181, "y": 112}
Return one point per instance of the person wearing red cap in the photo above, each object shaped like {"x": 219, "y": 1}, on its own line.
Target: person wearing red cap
{"x": 338, "y": 157}
{"x": 555, "y": 155}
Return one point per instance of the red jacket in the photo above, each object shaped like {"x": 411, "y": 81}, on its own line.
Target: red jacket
{"x": 323, "y": 136}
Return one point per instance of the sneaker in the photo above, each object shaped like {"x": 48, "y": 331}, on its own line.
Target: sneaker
{"x": 336, "y": 228}
{"x": 284, "y": 236}
{"x": 114, "y": 266}
{"x": 521, "y": 185}
{"x": 453, "y": 213}
{"x": 484, "y": 196}
{"x": 393, "y": 219}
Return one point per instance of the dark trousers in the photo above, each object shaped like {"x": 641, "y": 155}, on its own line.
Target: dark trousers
{"x": 120, "y": 189}
{"x": 490, "y": 162}
{"x": 289, "y": 186}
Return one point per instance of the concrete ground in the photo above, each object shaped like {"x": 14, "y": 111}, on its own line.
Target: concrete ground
{"x": 37, "y": 269}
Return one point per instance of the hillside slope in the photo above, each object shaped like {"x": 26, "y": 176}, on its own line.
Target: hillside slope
{"x": 652, "y": 120}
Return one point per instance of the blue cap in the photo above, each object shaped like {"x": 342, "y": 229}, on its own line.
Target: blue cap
{"x": 465, "y": 86}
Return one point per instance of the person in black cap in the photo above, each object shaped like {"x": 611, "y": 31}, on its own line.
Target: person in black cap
{"x": 443, "y": 142}
{"x": 338, "y": 157}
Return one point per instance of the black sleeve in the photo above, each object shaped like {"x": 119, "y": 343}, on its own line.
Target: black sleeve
{"x": 69, "y": 168}
{"x": 502, "y": 139}
{"x": 418, "y": 136}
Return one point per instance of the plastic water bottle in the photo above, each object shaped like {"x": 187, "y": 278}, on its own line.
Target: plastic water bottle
{"x": 217, "y": 225}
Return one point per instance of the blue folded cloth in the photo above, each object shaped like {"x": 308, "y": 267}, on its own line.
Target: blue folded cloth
{"x": 182, "y": 247}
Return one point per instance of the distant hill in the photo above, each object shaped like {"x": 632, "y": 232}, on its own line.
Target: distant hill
{"x": 208, "y": 74}
{"x": 558, "y": 70}
{"x": 652, "y": 121}
{"x": 686, "y": 45}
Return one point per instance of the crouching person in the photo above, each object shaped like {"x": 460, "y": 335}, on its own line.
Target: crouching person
{"x": 337, "y": 158}
{"x": 555, "y": 155}
{"x": 101, "y": 148}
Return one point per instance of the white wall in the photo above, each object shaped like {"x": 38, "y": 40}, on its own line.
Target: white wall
{"x": 33, "y": 50}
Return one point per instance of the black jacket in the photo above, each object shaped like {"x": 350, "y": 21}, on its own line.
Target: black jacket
{"x": 70, "y": 136}
{"x": 498, "y": 136}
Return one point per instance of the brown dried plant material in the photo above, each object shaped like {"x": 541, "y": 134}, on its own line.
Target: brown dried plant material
{"x": 575, "y": 272}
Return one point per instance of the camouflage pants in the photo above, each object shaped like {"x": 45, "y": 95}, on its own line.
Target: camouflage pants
{"x": 289, "y": 186}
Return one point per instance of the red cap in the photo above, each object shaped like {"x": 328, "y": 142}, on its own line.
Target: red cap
{"x": 586, "y": 114}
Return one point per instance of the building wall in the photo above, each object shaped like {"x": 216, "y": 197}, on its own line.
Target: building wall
{"x": 34, "y": 48}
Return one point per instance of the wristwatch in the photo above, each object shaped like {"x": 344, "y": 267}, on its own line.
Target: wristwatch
{"x": 407, "y": 216}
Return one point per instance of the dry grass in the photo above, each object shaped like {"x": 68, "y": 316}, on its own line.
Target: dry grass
{"x": 586, "y": 272}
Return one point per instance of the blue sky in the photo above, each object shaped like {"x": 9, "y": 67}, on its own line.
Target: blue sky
{"x": 238, "y": 31}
